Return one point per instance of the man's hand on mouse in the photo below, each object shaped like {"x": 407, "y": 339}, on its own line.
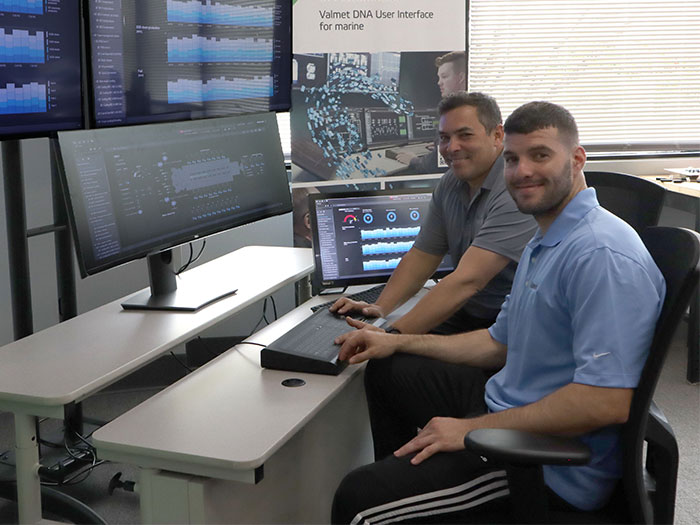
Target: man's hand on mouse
{"x": 344, "y": 306}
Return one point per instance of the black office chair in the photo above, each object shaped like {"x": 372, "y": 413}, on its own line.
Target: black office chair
{"x": 647, "y": 491}
{"x": 635, "y": 200}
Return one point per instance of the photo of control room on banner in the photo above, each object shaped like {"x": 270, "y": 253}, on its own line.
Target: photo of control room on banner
{"x": 369, "y": 115}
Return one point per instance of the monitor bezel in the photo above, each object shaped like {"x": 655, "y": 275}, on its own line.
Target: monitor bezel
{"x": 90, "y": 115}
{"x": 318, "y": 281}
{"x": 181, "y": 240}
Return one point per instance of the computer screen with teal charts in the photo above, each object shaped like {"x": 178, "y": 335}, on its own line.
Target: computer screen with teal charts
{"x": 360, "y": 237}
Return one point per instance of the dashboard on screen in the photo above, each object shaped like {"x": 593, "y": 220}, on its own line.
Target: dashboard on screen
{"x": 164, "y": 60}
{"x": 40, "y": 67}
{"x": 138, "y": 191}
{"x": 135, "y": 190}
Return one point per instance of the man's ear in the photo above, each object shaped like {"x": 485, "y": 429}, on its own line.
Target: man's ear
{"x": 579, "y": 158}
{"x": 498, "y": 134}
{"x": 307, "y": 221}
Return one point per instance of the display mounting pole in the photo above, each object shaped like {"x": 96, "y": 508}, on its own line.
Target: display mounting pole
{"x": 65, "y": 275}
{"x": 18, "y": 247}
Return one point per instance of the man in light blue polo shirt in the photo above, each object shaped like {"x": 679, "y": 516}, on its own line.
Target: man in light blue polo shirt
{"x": 572, "y": 336}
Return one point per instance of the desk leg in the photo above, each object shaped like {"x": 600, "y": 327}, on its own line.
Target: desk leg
{"x": 27, "y": 464}
{"x": 184, "y": 495}
{"x": 303, "y": 290}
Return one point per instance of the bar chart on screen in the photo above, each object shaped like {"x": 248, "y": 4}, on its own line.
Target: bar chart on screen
{"x": 29, "y": 7}
{"x": 28, "y": 98}
{"x": 196, "y": 12}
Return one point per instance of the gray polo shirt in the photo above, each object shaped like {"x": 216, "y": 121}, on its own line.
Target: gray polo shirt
{"x": 490, "y": 220}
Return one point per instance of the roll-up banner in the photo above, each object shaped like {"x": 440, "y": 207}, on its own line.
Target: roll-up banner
{"x": 367, "y": 76}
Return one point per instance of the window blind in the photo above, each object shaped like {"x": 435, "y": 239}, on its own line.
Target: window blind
{"x": 629, "y": 71}
{"x": 285, "y": 134}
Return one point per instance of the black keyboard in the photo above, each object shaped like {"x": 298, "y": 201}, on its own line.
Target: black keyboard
{"x": 370, "y": 295}
{"x": 308, "y": 347}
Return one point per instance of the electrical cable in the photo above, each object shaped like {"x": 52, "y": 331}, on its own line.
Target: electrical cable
{"x": 183, "y": 364}
{"x": 262, "y": 318}
{"x": 192, "y": 258}
{"x": 274, "y": 307}
{"x": 255, "y": 344}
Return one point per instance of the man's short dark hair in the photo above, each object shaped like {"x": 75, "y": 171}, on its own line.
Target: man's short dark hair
{"x": 457, "y": 58}
{"x": 487, "y": 109}
{"x": 540, "y": 115}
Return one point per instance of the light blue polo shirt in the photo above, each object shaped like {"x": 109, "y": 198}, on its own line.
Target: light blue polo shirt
{"x": 583, "y": 308}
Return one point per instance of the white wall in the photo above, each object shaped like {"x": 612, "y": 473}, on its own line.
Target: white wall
{"x": 110, "y": 285}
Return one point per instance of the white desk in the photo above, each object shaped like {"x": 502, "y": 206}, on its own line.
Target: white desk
{"x": 67, "y": 362}
{"x": 202, "y": 442}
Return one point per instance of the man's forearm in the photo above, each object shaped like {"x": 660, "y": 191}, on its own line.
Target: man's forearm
{"x": 572, "y": 410}
{"x": 410, "y": 275}
{"x": 476, "y": 348}
{"x": 435, "y": 307}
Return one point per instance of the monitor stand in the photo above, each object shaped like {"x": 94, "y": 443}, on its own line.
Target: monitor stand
{"x": 164, "y": 293}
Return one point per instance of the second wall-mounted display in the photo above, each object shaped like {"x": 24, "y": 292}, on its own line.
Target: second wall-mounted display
{"x": 167, "y": 60}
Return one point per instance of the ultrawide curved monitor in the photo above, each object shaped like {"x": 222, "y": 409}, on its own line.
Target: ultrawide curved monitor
{"x": 134, "y": 191}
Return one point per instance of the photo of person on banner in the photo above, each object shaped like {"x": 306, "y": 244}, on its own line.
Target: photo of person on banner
{"x": 452, "y": 77}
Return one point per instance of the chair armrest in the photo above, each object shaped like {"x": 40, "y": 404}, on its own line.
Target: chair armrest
{"x": 526, "y": 448}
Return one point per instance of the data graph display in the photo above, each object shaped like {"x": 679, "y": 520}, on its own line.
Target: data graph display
{"x": 196, "y": 12}
{"x": 389, "y": 233}
{"x": 29, "y": 98}
{"x": 185, "y": 91}
{"x": 19, "y": 46}
{"x": 40, "y": 67}
{"x": 362, "y": 237}
{"x": 202, "y": 49}
{"x": 136, "y": 190}
{"x": 380, "y": 264}
{"x": 29, "y": 7}
{"x": 386, "y": 247}
{"x": 202, "y": 58}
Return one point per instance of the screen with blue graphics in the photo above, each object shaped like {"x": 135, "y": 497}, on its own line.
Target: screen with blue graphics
{"x": 40, "y": 71}
{"x": 360, "y": 237}
{"x": 165, "y": 60}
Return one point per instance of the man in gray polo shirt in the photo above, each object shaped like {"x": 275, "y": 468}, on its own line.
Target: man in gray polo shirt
{"x": 473, "y": 218}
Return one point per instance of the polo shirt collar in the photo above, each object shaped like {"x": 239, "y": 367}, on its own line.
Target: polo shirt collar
{"x": 495, "y": 173}
{"x": 578, "y": 207}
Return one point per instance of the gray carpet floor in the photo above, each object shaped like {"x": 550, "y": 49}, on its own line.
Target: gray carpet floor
{"x": 679, "y": 400}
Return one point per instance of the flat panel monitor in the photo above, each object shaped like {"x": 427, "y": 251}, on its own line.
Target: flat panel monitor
{"x": 423, "y": 125}
{"x": 360, "y": 237}
{"x": 309, "y": 69}
{"x": 138, "y": 191}
{"x": 40, "y": 73}
{"x": 165, "y": 60}
{"x": 383, "y": 126}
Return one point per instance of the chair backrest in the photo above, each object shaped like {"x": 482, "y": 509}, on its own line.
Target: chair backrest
{"x": 635, "y": 200}
{"x": 676, "y": 252}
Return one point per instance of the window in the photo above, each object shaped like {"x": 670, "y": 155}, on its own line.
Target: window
{"x": 629, "y": 71}
{"x": 285, "y": 135}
